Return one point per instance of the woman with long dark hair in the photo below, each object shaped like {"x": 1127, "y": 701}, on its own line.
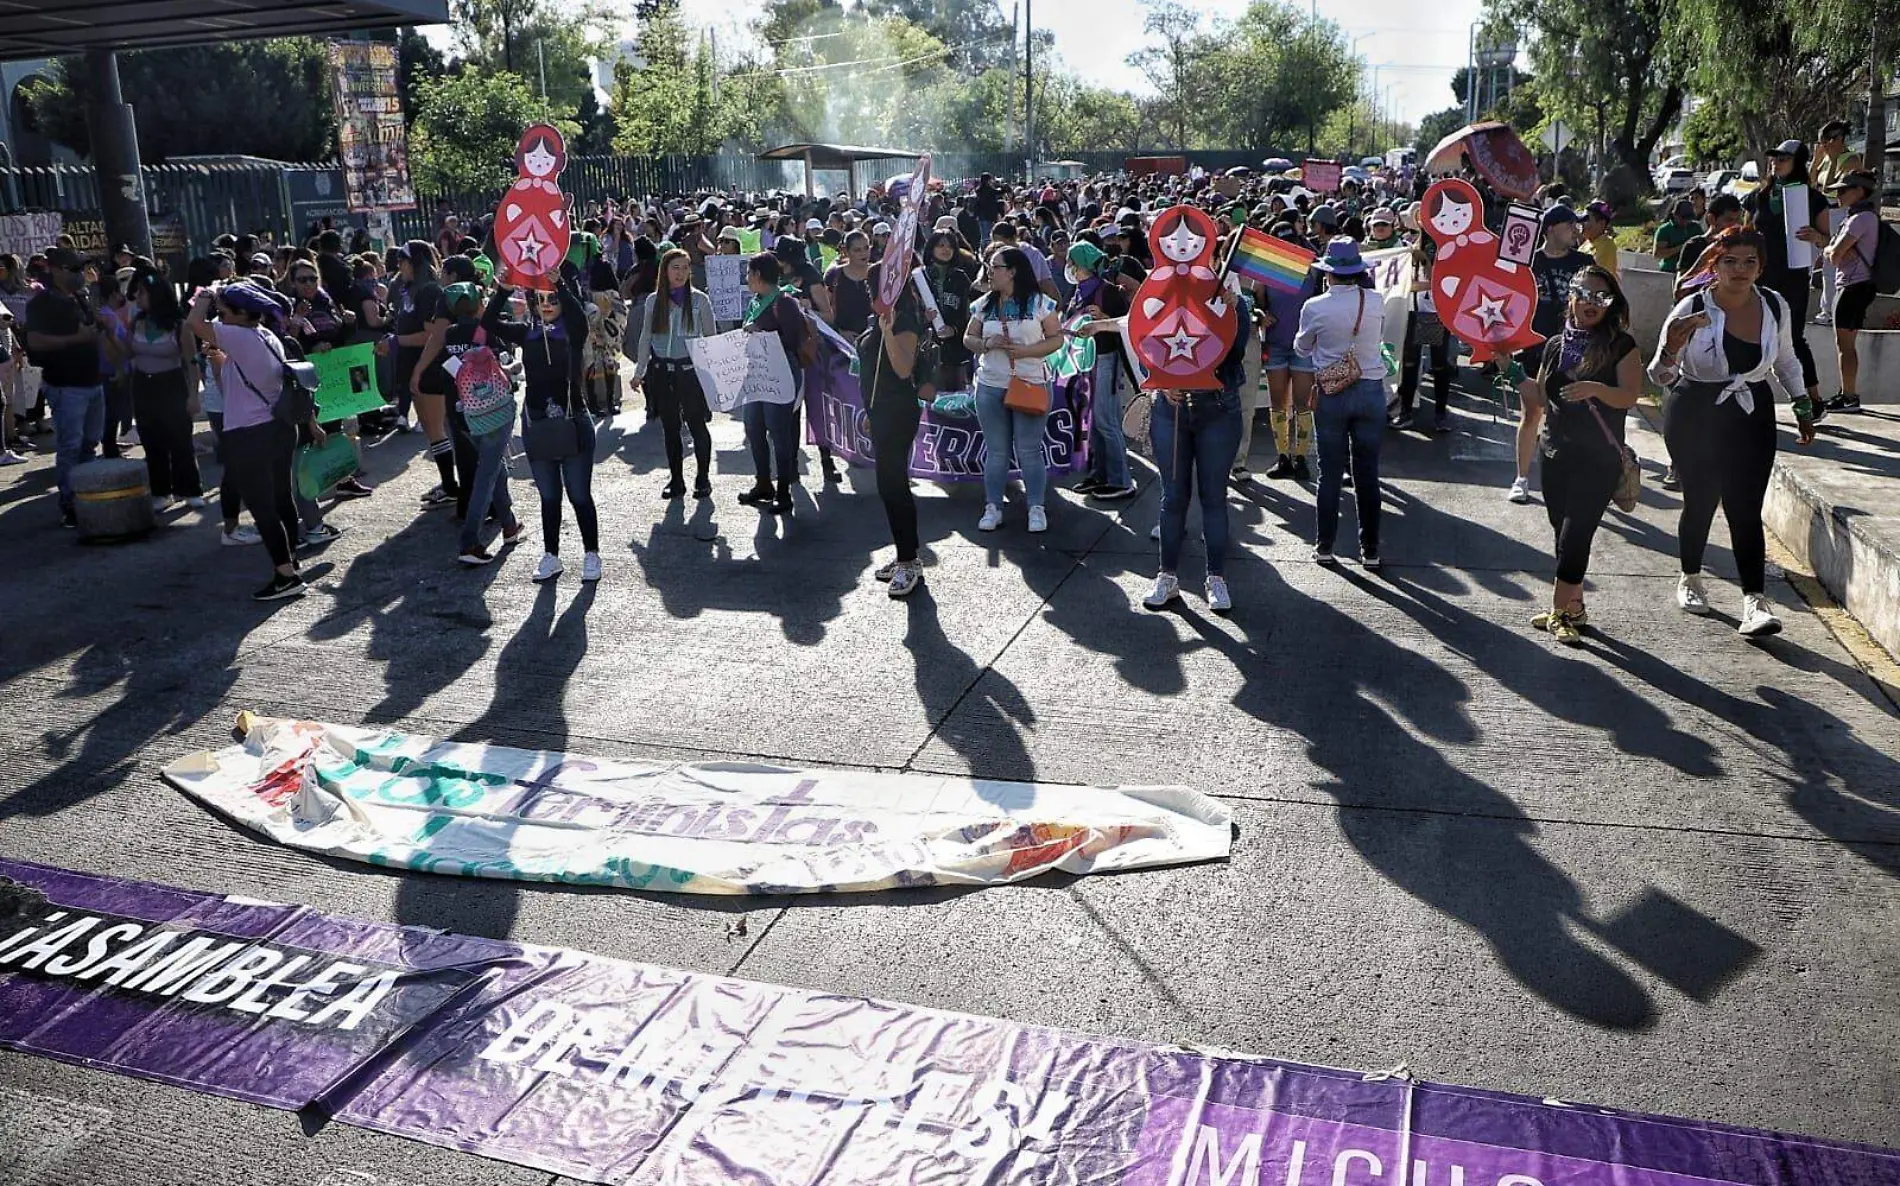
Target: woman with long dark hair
{"x": 889, "y": 356}
{"x": 771, "y": 430}
{"x": 1015, "y": 327}
{"x": 417, "y": 302}
{"x": 1767, "y": 214}
{"x": 1717, "y": 349}
{"x": 950, "y": 272}
{"x": 674, "y": 313}
{"x": 1588, "y": 379}
{"x": 163, "y": 371}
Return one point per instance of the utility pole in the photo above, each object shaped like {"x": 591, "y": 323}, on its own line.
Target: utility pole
{"x": 1029, "y": 90}
{"x": 541, "y": 59}
{"x": 1471, "y": 74}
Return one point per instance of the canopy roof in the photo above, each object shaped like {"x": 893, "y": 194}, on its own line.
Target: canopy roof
{"x": 833, "y": 156}
{"x": 53, "y": 28}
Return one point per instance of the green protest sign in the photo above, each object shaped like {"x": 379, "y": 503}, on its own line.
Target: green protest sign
{"x": 347, "y": 381}
{"x": 749, "y": 242}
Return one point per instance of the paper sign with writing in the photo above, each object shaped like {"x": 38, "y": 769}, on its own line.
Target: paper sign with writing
{"x": 347, "y": 381}
{"x": 725, "y": 284}
{"x": 737, "y": 368}
{"x": 1322, "y": 177}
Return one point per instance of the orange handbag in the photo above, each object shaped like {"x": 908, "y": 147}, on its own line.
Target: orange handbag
{"x": 1027, "y": 396}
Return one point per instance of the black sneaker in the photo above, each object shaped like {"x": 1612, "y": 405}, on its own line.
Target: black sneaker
{"x": 1370, "y": 560}
{"x": 1301, "y": 471}
{"x": 1282, "y": 467}
{"x": 674, "y": 489}
{"x": 1088, "y": 485}
{"x": 476, "y": 557}
{"x": 783, "y": 503}
{"x": 1843, "y": 403}
{"x": 68, "y": 519}
{"x": 436, "y": 498}
{"x": 1441, "y": 424}
{"x": 279, "y": 588}
{"x": 1113, "y": 493}
{"x": 758, "y": 496}
{"x": 1401, "y": 422}
{"x": 354, "y": 488}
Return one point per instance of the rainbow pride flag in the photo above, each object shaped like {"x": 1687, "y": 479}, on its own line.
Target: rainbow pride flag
{"x": 1273, "y": 262}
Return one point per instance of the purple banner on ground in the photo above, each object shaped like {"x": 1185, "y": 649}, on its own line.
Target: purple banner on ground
{"x": 610, "y": 1071}
{"x": 947, "y": 448}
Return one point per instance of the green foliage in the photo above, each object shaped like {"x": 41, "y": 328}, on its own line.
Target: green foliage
{"x": 466, "y": 127}
{"x": 530, "y": 37}
{"x": 1437, "y": 126}
{"x": 265, "y": 98}
{"x": 1713, "y": 135}
{"x": 677, "y": 102}
{"x": 978, "y": 36}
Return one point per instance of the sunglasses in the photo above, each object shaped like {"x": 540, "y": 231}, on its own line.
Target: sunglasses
{"x": 1591, "y": 296}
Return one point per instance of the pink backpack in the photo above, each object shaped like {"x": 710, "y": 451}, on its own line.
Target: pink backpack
{"x": 483, "y": 391}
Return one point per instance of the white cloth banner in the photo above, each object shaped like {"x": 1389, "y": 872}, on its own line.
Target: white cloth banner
{"x": 725, "y": 284}
{"x": 737, "y": 368}
{"x": 396, "y": 799}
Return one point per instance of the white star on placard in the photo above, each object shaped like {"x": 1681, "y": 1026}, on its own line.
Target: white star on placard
{"x": 1181, "y": 343}
{"x": 530, "y": 247}
{"x": 1489, "y": 310}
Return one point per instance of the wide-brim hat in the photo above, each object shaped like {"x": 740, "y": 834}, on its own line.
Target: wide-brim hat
{"x": 1342, "y": 258}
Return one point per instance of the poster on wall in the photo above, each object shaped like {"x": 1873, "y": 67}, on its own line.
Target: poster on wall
{"x": 371, "y": 140}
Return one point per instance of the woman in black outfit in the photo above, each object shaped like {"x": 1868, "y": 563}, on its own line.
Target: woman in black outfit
{"x": 771, "y": 430}
{"x": 1766, "y": 215}
{"x": 1589, "y": 378}
{"x": 1717, "y": 350}
{"x": 951, "y": 273}
{"x": 888, "y": 356}
{"x": 549, "y": 347}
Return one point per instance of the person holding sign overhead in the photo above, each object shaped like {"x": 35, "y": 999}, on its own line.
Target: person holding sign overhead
{"x": 889, "y": 354}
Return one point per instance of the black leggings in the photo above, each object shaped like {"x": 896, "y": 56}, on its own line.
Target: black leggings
{"x": 894, "y": 418}
{"x": 229, "y": 500}
{"x": 676, "y": 396}
{"x": 1578, "y": 483}
{"x": 1442, "y": 369}
{"x": 162, "y": 408}
{"x": 1723, "y": 457}
{"x": 258, "y": 459}
{"x": 1793, "y": 287}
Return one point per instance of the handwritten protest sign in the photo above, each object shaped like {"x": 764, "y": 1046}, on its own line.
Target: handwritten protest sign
{"x": 725, "y": 284}
{"x": 23, "y": 234}
{"x": 1322, "y": 177}
{"x": 347, "y": 381}
{"x": 737, "y": 368}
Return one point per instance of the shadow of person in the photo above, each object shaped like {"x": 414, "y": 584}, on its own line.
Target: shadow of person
{"x": 978, "y": 713}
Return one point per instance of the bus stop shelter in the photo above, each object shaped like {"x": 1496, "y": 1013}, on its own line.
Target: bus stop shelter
{"x": 97, "y": 30}
{"x": 846, "y": 157}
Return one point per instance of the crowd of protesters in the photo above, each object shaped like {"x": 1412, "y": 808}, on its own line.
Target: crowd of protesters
{"x": 1007, "y": 274}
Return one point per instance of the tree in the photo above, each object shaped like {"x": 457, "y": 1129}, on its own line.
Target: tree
{"x": 974, "y": 30}
{"x": 555, "y": 39}
{"x": 416, "y": 61}
{"x": 1713, "y": 134}
{"x": 183, "y": 100}
{"x": 677, "y": 101}
{"x": 1174, "y": 65}
{"x": 1437, "y": 126}
{"x": 466, "y": 128}
{"x": 597, "y": 128}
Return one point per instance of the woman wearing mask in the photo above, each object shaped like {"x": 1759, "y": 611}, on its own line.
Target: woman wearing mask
{"x": 1015, "y": 328}
{"x": 1099, "y": 297}
{"x": 1343, "y": 328}
{"x": 1718, "y": 348}
{"x": 257, "y": 446}
{"x": 771, "y": 430}
{"x": 950, "y": 272}
{"x": 1588, "y": 378}
{"x": 1767, "y": 214}
{"x": 163, "y": 370}
{"x": 675, "y": 313}
{"x": 549, "y": 346}
{"x": 417, "y": 303}
{"x": 487, "y": 488}
{"x": 1196, "y": 435}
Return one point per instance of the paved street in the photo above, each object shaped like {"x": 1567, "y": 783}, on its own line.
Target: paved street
{"x": 1657, "y": 872}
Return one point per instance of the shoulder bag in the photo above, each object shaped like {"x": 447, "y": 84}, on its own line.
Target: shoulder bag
{"x": 296, "y": 400}
{"x": 1026, "y": 395}
{"x": 1338, "y": 376}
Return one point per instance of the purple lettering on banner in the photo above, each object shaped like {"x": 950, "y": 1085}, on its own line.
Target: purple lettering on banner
{"x": 610, "y": 1071}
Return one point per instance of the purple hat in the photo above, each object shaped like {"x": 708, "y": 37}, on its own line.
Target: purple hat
{"x": 1341, "y": 258}
{"x": 246, "y": 297}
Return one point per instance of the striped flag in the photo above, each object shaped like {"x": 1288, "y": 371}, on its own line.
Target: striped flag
{"x": 1260, "y": 257}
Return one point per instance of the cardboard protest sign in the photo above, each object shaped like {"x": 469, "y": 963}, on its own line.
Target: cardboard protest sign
{"x": 895, "y": 267}
{"x": 737, "y": 368}
{"x": 1486, "y": 301}
{"x": 347, "y": 381}
{"x": 1322, "y": 177}
{"x": 531, "y": 224}
{"x": 725, "y": 284}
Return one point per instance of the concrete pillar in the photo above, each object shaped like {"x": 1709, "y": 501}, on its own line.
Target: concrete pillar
{"x": 115, "y": 155}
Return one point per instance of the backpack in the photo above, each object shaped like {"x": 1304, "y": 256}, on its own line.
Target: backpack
{"x": 1885, "y": 262}
{"x": 484, "y": 394}
{"x": 296, "y": 400}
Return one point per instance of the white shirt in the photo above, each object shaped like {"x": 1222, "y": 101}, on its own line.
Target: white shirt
{"x": 993, "y": 369}
{"x": 1326, "y": 334}
{"x": 1703, "y": 360}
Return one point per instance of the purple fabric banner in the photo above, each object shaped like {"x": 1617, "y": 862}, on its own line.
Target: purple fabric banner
{"x": 610, "y": 1071}
{"x": 947, "y": 448}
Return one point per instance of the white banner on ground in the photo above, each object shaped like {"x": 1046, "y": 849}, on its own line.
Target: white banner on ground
{"x": 725, "y": 284}
{"x": 396, "y": 799}
{"x": 737, "y": 368}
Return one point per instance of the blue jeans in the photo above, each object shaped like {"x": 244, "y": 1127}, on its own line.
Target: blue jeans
{"x": 79, "y": 424}
{"x": 1358, "y": 413}
{"x": 1007, "y": 432}
{"x": 771, "y": 434}
{"x": 576, "y": 474}
{"x": 490, "y": 487}
{"x": 1195, "y": 443}
{"x": 1108, "y": 449}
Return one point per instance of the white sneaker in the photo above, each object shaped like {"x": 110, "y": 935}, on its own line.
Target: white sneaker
{"x": 1155, "y": 532}
{"x": 197, "y": 502}
{"x": 549, "y": 568}
{"x": 1218, "y": 598}
{"x": 160, "y": 505}
{"x": 905, "y": 579}
{"x": 1757, "y": 620}
{"x": 242, "y": 537}
{"x": 1690, "y": 595}
{"x": 1521, "y": 490}
{"x": 888, "y": 571}
{"x": 9, "y": 457}
{"x": 590, "y": 566}
{"x": 1166, "y": 589}
{"x": 1038, "y": 520}
{"x": 992, "y": 517}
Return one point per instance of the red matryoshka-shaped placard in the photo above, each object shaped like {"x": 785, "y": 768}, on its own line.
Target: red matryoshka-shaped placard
{"x": 1487, "y": 301}
{"x": 1181, "y": 325}
{"x": 531, "y": 224}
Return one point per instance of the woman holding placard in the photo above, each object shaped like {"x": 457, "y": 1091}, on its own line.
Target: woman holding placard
{"x": 771, "y": 430}
{"x": 674, "y": 313}
{"x": 1787, "y": 257}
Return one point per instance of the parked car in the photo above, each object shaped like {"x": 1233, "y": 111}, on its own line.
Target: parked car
{"x": 1718, "y": 181}
{"x": 1661, "y": 172}
{"x": 1747, "y": 183}
{"x": 1677, "y": 181}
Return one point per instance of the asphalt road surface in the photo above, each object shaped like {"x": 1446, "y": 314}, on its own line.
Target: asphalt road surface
{"x": 1657, "y": 872}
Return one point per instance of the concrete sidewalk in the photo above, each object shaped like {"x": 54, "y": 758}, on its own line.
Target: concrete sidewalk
{"x": 1657, "y": 872}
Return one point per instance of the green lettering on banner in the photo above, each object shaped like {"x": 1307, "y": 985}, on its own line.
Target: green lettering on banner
{"x": 347, "y": 383}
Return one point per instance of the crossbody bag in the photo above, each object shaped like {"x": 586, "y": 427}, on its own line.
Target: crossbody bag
{"x": 1338, "y": 376}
